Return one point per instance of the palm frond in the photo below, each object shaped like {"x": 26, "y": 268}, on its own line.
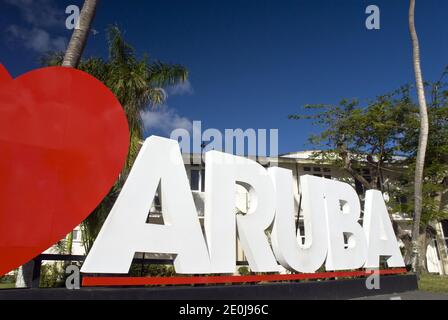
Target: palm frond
{"x": 96, "y": 67}
{"x": 137, "y": 84}
{"x": 157, "y": 96}
{"x": 120, "y": 51}
{"x": 164, "y": 75}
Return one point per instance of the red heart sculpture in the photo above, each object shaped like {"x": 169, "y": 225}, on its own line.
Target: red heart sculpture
{"x": 64, "y": 139}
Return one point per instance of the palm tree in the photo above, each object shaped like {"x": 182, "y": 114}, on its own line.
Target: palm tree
{"x": 418, "y": 261}
{"x": 138, "y": 84}
{"x": 80, "y": 34}
{"x": 72, "y": 58}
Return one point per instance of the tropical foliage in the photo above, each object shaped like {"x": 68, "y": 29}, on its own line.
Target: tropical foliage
{"x": 355, "y": 135}
{"x": 382, "y": 135}
{"x": 139, "y": 84}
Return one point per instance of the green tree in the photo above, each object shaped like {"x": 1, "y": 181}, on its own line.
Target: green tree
{"x": 383, "y": 136}
{"x": 356, "y": 136}
{"x": 434, "y": 187}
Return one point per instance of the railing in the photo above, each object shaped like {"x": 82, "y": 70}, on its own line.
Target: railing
{"x": 35, "y": 283}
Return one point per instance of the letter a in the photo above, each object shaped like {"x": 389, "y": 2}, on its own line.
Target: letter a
{"x": 126, "y": 232}
{"x": 373, "y": 20}
{"x": 381, "y": 239}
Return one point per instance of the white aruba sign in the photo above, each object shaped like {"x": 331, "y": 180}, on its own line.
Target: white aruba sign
{"x": 331, "y": 213}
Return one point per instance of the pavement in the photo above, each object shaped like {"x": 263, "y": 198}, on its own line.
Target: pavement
{"x": 409, "y": 295}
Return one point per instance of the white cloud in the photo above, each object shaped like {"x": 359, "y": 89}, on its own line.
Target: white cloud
{"x": 40, "y": 16}
{"x": 42, "y": 13}
{"x": 164, "y": 121}
{"x": 37, "y": 39}
{"x": 181, "y": 89}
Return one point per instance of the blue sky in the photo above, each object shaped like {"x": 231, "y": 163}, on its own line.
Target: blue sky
{"x": 251, "y": 62}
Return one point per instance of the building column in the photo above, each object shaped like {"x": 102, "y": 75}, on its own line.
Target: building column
{"x": 442, "y": 247}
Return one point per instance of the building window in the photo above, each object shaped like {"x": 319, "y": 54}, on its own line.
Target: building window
{"x": 158, "y": 202}
{"x": 197, "y": 180}
{"x": 368, "y": 178}
{"x": 359, "y": 187}
{"x": 194, "y": 179}
{"x": 317, "y": 169}
{"x": 75, "y": 234}
{"x": 445, "y": 227}
{"x": 434, "y": 241}
{"x": 445, "y": 231}
{"x": 302, "y": 234}
{"x": 346, "y": 239}
{"x": 202, "y": 180}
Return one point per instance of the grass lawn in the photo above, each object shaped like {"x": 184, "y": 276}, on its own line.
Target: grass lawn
{"x": 7, "y": 285}
{"x": 433, "y": 283}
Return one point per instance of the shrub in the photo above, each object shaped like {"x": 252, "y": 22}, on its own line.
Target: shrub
{"x": 244, "y": 271}
{"x": 52, "y": 276}
{"x": 151, "y": 270}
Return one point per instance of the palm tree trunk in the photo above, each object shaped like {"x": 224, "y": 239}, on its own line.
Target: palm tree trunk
{"x": 423, "y": 141}
{"x": 72, "y": 58}
{"x": 80, "y": 34}
{"x": 76, "y": 48}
